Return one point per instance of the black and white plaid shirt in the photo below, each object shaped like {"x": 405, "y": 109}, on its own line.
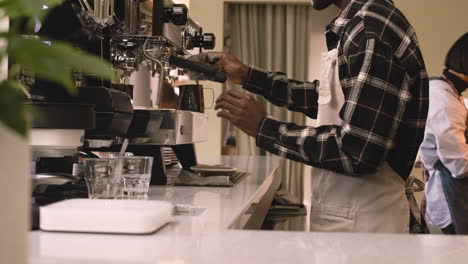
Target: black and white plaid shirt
{"x": 385, "y": 84}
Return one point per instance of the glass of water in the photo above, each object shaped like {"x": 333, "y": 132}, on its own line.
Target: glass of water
{"x": 103, "y": 178}
{"x": 136, "y": 175}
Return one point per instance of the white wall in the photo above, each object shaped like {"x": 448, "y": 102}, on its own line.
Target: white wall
{"x": 15, "y": 180}
{"x": 209, "y": 13}
{"x": 438, "y": 25}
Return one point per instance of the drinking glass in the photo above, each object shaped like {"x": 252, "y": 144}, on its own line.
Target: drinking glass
{"x": 103, "y": 178}
{"x": 136, "y": 175}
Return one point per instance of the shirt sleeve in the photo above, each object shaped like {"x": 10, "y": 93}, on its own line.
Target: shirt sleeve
{"x": 375, "y": 100}
{"x": 279, "y": 90}
{"x": 449, "y": 126}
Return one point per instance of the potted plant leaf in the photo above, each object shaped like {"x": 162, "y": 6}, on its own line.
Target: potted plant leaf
{"x": 54, "y": 63}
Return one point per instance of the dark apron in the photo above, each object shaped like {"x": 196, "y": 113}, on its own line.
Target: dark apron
{"x": 456, "y": 193}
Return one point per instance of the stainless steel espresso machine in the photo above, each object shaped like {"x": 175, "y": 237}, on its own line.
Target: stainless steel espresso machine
{"x": 130, "y": 34}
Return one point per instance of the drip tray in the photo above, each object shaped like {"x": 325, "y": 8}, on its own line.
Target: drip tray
{"x": 175, "y": 127}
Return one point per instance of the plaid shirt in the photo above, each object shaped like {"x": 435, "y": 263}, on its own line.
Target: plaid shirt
{"x": 385, "y": 84}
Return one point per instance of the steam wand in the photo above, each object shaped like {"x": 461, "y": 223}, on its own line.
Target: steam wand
{"x": 210, "y": 72}
{"x": 161, "y": 71}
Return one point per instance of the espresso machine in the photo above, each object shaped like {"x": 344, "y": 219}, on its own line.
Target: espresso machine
{"x": 130, "y": 34}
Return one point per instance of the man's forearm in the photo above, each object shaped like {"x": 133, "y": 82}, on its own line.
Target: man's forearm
{"x": 280, "y": 91}
{"x": 316, "y": 146}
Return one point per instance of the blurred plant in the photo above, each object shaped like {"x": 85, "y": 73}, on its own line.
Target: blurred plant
{"x": 53, "y": 62}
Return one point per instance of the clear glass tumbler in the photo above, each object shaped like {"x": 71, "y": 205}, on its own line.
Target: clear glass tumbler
{"x": 136, "y": 174}
{"x": 103, "y": 178}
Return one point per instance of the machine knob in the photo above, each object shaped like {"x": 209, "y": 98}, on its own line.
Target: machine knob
{"x": 177, "y": 14}
{"x": 208, "y": 41}
{"x": 205, "y": 41}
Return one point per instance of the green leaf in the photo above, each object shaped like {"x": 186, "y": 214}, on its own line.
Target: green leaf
{"x": 13, "y": 71}
{"x": 27, "y": 8}
{"x": 53, "y": 62}
{"x": 39, "y": 57}
{"x": 13, "y": 114}
{"x": 56, "y": 61}
{"x": 18, "y": 86}
{"x": 81, "y": 61}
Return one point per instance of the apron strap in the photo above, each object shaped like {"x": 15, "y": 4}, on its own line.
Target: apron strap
{"x": 413, "y": 185}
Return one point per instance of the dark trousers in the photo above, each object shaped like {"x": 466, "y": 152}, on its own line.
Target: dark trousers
{"x": 449, "y": 230}
{"x": 456, "y": 193}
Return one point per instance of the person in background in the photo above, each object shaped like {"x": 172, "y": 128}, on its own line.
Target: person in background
{"x": 444, "y": 151}
{"x": 370, "y": 104}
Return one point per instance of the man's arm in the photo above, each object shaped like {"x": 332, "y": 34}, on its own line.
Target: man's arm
{"x": 375, "y": 101}
{"x": 279, "y": 90}
{"x": 275, "y": 87}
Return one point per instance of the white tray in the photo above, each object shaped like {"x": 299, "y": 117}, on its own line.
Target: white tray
{"x": 105, "y": 216}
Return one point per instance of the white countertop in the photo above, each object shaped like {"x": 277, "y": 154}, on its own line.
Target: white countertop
{"x": 206, "y": 238}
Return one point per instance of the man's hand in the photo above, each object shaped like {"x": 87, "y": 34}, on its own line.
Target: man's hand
{"x": 242, "y": 110}
{"x": 235, "y": 70}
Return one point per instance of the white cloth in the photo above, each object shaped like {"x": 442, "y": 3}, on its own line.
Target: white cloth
{"x": 444, "y": 140}
{"x": 353, "y": 203}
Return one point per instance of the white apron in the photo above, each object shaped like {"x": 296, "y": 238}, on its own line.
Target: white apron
{"x": 344, "y": 203}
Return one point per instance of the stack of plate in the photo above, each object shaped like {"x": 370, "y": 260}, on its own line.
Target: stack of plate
{"x": 235, "y": 176}
{"x": 213, "y": 170}
{"x": 170, "y": 158}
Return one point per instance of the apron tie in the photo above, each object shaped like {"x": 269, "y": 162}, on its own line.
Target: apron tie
{"x": 413, "y": 185}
